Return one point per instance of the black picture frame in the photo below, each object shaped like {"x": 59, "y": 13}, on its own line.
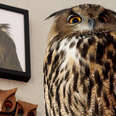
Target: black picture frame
{"x": 13, "y": 74}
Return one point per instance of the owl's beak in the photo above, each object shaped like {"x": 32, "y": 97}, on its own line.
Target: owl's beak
{"x": 91, "y": 23}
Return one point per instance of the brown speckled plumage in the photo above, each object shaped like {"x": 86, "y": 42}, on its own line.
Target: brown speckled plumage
{"x": 80, "y": 63}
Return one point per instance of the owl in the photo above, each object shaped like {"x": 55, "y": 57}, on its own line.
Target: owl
{"x": 80, "y": 62}
{"x": 8, "y": 53}
{"x": 7, "y": 102}
{"x": 25, "y": 109}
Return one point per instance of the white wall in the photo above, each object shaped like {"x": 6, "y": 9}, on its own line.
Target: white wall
{"x": 39, "y": 10}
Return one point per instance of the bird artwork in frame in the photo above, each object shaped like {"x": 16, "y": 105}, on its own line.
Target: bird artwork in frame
{"x": 80, "y": 62}
{"x": 14, "y": 43}
{"x": 8, "y": 53}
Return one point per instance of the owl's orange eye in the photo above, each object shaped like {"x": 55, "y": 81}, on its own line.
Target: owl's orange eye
{"x": 104, "y": 18}
{"x": 8, "y": 105}
{"x": 74, "y": 19}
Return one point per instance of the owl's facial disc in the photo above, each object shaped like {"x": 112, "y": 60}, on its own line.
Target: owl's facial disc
{"x": 81, "y": 22}
{"x": 87, "y": 25}
{"x": 85, "y": 19}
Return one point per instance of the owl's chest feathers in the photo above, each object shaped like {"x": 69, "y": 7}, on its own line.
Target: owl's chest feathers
{"x": 74, "y": 49}
{"x": 87, "y": 54}
{"x": 83, "y": 51}
{"x": 71, "y": 54}
{"x": 81, "y": 73}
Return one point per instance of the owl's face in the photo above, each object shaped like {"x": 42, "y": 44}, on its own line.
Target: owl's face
{"x": 7, "y": 100}
{"x": 84, "y": 19}
{"x": 25, "y": 109}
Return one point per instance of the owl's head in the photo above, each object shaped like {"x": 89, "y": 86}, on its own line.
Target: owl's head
{"x": 83, "y": 19}
{"x": 7, "y": 100}
{"x": 25, "y": 109}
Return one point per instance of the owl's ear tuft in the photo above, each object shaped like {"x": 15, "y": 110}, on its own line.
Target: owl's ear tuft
{"x": 55, "y": 14}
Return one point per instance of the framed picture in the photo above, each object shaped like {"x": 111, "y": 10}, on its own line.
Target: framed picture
{"x": 14, "y": 43}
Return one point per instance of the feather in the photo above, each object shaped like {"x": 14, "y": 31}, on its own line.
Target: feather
{"x": 56, "y": 13}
